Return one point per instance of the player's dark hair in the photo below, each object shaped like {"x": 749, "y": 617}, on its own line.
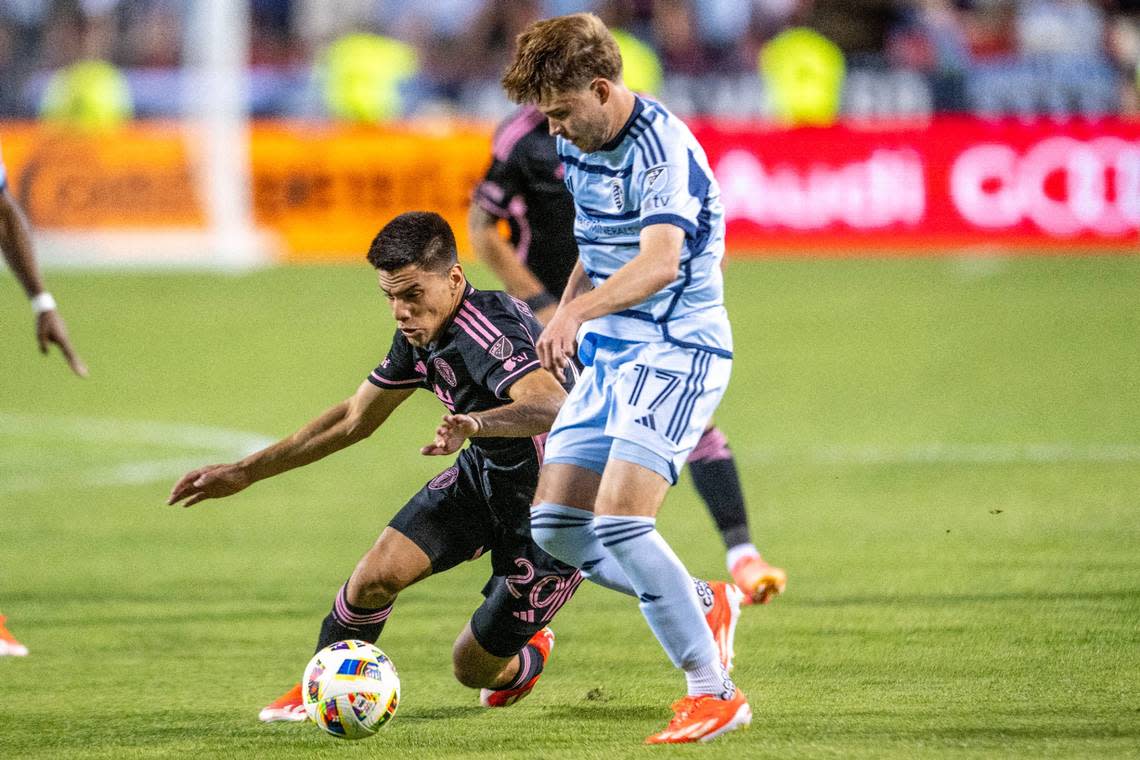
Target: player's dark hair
{"x": 419, "y": 238}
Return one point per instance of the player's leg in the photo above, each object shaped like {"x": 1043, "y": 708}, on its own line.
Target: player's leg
{"x": 504, "y": 647}
{"x": 502, "y": 681}
{"x": 662, "y": 399}
{"x": 507, "y": 643}
{"x": 715, "y": 476}
{"x": 363, "y": 604}
{"x": 630, "y": 495}
{"x": 436, "y": 530}
{"x": 9, "y": 646}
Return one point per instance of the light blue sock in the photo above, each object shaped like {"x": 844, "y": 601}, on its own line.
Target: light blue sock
{"x": 567, "y": 534}
{"x": 665, "y": 591}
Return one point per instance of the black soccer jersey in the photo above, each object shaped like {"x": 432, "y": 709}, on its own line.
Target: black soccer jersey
{"x": 524, "y": 185}
{"x": 472, "y": 365}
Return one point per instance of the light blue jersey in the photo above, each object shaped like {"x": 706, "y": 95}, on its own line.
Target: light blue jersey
{"x": 653, "y": 172}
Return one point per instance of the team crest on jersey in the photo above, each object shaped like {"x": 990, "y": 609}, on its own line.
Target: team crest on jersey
{"x": 658, "y": 174}
{"x": 502, "y": 349}
{"x": 445, "y": 371}
{"x": 444, "y": 479}
{"x": 616, "y": 193}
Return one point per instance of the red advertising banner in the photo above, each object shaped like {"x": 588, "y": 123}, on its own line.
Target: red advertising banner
{"x": 949, "y": 183}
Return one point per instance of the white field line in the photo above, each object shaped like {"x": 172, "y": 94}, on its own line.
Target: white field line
{"x": 207, "y": 444}
{"x": 953, "y": 453}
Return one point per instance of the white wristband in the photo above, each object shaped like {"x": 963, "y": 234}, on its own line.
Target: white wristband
{"x": 43, "y": 303}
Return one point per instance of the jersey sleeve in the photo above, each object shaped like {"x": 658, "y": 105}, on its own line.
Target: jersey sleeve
{"x": 502, "y": 182}
{"x": 500, "y": 350}
{"x": 672, "y": 184}
{"x": 398, "y": 370}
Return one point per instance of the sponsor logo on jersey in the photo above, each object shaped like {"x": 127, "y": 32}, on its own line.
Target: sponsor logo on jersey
{"x": 421, "y": 368}
{"x": 502, "y": 349}
{"x": 445, "y": 371}
{"x": 514, "y": 361}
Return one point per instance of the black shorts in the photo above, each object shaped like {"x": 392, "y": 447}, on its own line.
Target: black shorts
{"x": 479, "y": 506}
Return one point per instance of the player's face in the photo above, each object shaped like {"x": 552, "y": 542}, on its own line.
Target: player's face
{"x": 422, "y": 301}
{"x": 580, "y": 116}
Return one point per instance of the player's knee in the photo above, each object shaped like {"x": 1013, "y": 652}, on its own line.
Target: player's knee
{"x": 562, "y": 532}
{"x": 376, "y": 582}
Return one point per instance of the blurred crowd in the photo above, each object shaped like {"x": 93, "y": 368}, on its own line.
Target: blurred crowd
{"x": 999, "y": 56}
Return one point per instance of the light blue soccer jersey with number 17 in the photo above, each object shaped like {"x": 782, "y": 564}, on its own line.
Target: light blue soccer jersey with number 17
{"x": 653, "y": 172}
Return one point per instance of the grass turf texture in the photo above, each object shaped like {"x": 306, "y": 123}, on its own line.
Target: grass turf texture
{"x": 945, "y": 454}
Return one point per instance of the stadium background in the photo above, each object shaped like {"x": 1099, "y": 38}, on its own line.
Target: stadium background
{"x": 933, "y": 282}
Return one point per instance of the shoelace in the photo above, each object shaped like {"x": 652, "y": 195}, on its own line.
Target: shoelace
{"x": 683, "y": 707}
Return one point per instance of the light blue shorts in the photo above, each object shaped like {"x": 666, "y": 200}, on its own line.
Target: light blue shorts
{"x": 646, "y": 403}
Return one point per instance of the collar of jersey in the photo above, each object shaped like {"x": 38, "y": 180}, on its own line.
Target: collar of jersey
{"x": 638, "y": 107}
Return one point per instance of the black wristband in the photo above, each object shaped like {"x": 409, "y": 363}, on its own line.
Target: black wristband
{"x": 541, "y": 301}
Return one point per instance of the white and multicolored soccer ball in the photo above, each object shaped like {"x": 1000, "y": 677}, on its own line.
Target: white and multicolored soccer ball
{"x": 351, "y": 689}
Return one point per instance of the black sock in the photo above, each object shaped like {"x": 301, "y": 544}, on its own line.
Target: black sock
{"x": 347, "y": 621}
{"x": 530, "y": 665}
{"x": 717, "y": 481}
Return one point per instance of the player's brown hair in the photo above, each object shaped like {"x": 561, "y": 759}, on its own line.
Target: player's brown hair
{"x": 561, "y": 55}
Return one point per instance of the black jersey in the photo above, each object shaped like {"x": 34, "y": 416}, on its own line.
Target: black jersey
{"x": 472, "y": 365}
{"x": 525, "y": 186}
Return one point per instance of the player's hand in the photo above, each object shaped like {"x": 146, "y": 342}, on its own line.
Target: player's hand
{"x": 211, "y": 482}
{"x": 559, "y": 341}
{"x": 450, "y": 435}
{"x": 51, "y": 329}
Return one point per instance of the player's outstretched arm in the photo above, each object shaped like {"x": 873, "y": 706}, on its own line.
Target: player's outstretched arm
{"x": 535, "y": 400}
{"x": 654, "y": 268}
{"x": 16, "y": 244}
{"x": 341, "y": 426}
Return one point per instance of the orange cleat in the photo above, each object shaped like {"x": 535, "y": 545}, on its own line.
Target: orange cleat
{"x": 8, "y": 645}
{"x": 760, "y": 581}
{"x": 290, "y": 706}
{"x": 704, "y": 718}
{"x": 722, "y": 619}
{"x": 543, "y": 641}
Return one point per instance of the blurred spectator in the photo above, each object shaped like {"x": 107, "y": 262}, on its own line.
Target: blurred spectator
{"x": 992, "y": 56}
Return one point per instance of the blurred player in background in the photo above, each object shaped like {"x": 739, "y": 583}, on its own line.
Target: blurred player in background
{"x": 474, "y": 349}
{"x": 646, "y": 300}
{"x": 16, "y": 244}
{"x": 525, "y": 187}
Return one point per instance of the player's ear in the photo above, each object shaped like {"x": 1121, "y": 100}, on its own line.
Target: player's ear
{"x": 601, "y": 89}
{"x": 455, "y": 276}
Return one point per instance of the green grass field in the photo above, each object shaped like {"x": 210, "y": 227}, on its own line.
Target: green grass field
{"x": 944, "y": 453}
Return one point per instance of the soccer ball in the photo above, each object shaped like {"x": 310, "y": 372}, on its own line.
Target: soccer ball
{"x": 351, "y": 689}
